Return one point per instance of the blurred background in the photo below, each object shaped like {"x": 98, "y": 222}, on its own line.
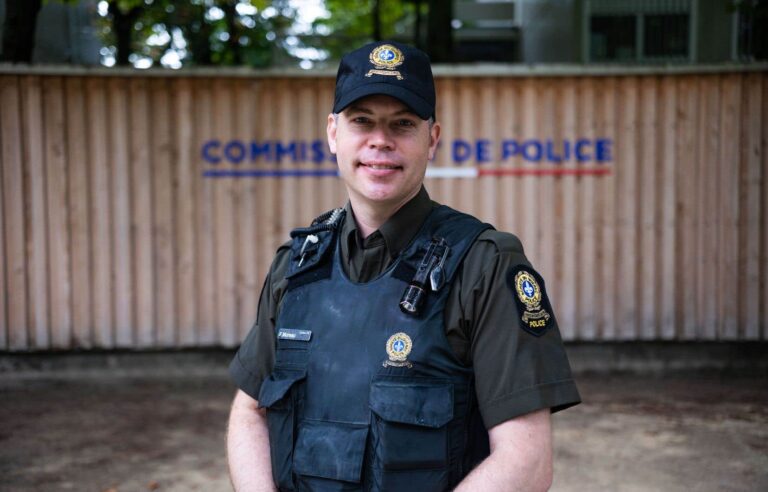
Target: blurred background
{"x": 312, "y": 33}
{"x": 154, "y": 154}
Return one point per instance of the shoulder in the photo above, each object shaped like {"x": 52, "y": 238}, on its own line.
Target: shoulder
{"x": 492, "y": 247}
{"x": 276, "y": 277}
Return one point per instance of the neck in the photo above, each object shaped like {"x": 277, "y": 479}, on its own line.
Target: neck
{"x": 371, "y": 216}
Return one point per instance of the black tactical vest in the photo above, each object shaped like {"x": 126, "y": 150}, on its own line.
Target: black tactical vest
{"x": 363, "y": 395}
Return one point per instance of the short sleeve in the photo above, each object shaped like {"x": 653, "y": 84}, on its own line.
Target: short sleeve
{"x": 515, "y": 346}
{"x": 255, "y": 358}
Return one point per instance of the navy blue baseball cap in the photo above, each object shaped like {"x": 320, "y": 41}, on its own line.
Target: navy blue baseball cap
{"x": 389, "y": 68}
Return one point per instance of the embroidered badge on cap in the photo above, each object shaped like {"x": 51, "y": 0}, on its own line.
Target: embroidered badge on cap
{"x": 398, "y": 347}
{"x": 531, "y": 300}
{"x": 386, "y": 58}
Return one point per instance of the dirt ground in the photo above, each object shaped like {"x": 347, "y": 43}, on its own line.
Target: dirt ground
{"x": 115, "y": 432}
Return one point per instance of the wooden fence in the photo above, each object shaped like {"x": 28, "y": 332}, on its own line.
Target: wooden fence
{"x": 117, "y": 234}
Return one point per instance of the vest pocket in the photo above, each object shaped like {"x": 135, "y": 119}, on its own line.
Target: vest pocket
{"x": 280, "y": 399}
{"x": 329, "y": 450}
{"x": 410, "y": 424}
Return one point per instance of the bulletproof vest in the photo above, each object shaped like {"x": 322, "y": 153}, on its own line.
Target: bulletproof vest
{"x": 366, "y": 393}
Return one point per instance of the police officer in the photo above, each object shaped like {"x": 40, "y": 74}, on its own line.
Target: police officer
{"x": 400, "y": 345}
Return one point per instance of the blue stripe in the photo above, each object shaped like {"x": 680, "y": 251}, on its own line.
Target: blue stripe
{"x": 269, "y": 173}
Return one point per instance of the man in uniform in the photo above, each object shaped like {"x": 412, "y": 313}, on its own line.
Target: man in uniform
{"x": 399, "y": 345}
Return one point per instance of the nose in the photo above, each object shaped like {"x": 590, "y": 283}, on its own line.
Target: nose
{"x": 380, "y": 138}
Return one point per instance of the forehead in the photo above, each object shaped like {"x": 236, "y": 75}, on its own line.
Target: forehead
{"x": 379, "y": 104}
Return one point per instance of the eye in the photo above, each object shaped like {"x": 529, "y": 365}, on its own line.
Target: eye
{"x": 405, "y": 123}
{"x": 361, "y": 120}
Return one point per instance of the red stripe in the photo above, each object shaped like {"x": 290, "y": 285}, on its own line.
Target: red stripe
{"x": 544, "y": 172}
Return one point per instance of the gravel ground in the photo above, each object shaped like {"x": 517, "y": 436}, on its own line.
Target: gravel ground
{"x": 112, "y": 432}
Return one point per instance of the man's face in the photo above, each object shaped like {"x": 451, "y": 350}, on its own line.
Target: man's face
{"x": 382, "y": 149}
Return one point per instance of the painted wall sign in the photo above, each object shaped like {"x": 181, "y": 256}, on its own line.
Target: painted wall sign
{"x": 236, "y": 158}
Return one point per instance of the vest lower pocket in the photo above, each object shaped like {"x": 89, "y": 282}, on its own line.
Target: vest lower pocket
{"x": 410, "y": 424}
{"x": 330, "y": 450}
{"x": 279, "y": 395}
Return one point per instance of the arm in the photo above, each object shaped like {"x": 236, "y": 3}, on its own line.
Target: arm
{"x": 250, "y": 468}
{"x": 520, "y": 459}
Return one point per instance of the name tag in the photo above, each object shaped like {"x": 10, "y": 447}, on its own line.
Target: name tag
{"x": 289, "y": 334}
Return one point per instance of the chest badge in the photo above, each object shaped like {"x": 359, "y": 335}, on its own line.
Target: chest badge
{"x": 398, "y": 347}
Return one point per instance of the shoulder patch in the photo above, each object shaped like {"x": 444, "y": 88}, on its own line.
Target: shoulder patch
{"x": 532, "y": 302}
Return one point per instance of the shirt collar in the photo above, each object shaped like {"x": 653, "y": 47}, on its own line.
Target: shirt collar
{"x": 400, "y": 228}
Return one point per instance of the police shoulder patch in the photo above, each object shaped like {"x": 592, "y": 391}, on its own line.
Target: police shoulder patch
{"x": 531, "y": 300}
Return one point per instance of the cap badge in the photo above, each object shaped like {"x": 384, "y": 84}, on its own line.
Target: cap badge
{"x": 398, "y": 347}
{"x": 386, "y": 58}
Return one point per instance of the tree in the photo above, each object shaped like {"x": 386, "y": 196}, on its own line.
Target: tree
{"x": 124, "y": 14}
{"x": 19, "y": 30}
{"x": 199, "y": 32}
{"x": 373, "y": 20}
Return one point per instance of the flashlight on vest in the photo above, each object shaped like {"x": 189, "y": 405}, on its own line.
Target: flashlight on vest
{"x": 416, "y": 292}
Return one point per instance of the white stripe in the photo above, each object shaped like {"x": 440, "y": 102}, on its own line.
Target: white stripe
{"x": 451, "y": 172}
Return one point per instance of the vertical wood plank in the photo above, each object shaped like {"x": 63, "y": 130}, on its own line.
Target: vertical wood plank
{"x": 764, "y": 172}
{"x": 546, "y": 184}
{"x": 605, "y": 193}
{"x": 186, "y": 167}
{"x": 100, "y": 210}
{"x": 667, "y": 282}
{"x": 708, "y": 206}
{"x": 567, "y": 284}
{"x": 648, "y": 197}
{"x": 58, "y": 214}
{"x": 121, "y": 213}
{"x": 3, "y": 232}
{"x": 224, "y": 225}
{"x": 37, "y": 237}
{"x": 141, "y": 185}
{"x": 627, "y": 207}
{"x": 248, "y": 283}
{"x": 306, "y": 131}
{"x": 730, "y": 123}
{"x": 486, "y": 207}
{"x": 509, "y": 129}
{"x": 13, "y": 207}
{"x": 465, "y": 197}
{"x": 204, "y": 254}
{"x": 441, "y": 190}
{"x": 80, "y": 219}
{"x": 688, "y": 169}
{"x": 587, "y": 233}
{"x": 749, "y": 224}
{"x": 163, "y": 168}
{"x": 287, "y": 187}
{"x": 528, "y": 185}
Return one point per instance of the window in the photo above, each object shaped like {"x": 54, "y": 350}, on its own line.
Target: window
{"x": 638, "y": 30}
{"x": 612, "y": 38}
{"x": 665, "y": 36}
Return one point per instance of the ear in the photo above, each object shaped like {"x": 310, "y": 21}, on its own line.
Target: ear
{"x": 434, "y": 138}
{"x": 330, "y": 130}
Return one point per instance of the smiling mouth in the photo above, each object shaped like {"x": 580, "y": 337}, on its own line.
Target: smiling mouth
{"x": 381, "y": 167}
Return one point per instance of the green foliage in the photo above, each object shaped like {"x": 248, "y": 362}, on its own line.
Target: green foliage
{"x": 353, "y": 23}
{"x": 201, "y": 32}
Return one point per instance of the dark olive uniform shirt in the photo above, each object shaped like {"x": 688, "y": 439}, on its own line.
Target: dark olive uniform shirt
{"x": 515, "y": 372}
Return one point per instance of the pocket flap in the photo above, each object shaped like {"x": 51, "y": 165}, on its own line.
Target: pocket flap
{"x": 278, "y": 383}
{"x": 331, "y": 450}
{"x": 425, "y": 404}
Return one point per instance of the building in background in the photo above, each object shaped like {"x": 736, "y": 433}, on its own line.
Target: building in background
{"x": 67, "y": 34}
{"x": 610, "y": 31}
